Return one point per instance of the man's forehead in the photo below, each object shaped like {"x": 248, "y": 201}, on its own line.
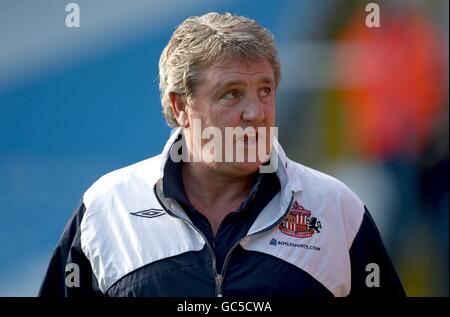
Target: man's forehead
{"x": 235, "y": 71}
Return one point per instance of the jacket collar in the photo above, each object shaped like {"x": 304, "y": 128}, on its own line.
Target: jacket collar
{"x": 289, "y": 180}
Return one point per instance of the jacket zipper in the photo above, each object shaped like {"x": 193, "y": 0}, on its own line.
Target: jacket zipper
{"x": 217, "y": 277}
{"x": 227, "y": 257}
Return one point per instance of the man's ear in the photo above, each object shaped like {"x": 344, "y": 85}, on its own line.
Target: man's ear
{"x": 178, "y": 105}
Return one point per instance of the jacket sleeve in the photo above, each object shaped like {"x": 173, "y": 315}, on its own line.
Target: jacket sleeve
{"x": 69, "y": 273}
{"x": 373, "y": 273}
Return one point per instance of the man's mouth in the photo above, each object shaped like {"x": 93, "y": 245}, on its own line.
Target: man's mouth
{"x": 250, "y": 138}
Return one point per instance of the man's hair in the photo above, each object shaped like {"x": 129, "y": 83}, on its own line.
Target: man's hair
{"x": 211, "y": 39}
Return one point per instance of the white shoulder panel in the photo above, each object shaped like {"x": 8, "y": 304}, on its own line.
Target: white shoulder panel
{"x": 117, "y": 242}
{"x": 324, "y": 254}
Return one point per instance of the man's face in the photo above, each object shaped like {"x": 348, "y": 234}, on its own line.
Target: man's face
{"x": 235, "y": 95}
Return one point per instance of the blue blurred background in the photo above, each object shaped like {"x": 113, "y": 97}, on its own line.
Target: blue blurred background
{"x": 367, "y": 105}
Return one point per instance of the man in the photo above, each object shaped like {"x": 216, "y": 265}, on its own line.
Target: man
{"x": 201, "y": 219}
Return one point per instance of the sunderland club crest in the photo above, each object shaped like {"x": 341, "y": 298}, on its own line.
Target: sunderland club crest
{"x": 299, "y": 223}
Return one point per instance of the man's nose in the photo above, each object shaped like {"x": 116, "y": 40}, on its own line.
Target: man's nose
{"x": 253, "y": 111}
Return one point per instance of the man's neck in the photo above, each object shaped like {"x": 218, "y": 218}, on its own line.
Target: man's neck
{"x": 211, "y": 187}
{"x": 214, "y": 194}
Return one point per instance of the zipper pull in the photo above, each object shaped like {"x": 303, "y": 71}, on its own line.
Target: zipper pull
{"x": 219, "y": 281}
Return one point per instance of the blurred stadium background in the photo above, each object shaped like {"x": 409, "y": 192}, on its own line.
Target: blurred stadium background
{"x": 367, "y": 105}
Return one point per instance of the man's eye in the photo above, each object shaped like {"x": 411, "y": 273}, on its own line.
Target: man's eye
{"x": 264, "y": 92}
{"x": 232, "y": 94}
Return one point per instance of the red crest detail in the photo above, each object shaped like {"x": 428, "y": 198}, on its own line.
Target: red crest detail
{"x": 296, "y": 222}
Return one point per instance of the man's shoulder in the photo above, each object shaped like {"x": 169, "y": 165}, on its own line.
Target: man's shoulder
{"x": 317, "y": 181}
{"x": 132, "y": 177}
{"x": 334, "y": 203}
{"x": 319, "y": 187}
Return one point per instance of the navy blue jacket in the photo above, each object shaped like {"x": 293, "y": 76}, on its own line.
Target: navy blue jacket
{"x": 300, "y": 233}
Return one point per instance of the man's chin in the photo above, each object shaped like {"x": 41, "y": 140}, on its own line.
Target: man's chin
{"x": 235, "y": 168}
{"x": 242, "y": 168}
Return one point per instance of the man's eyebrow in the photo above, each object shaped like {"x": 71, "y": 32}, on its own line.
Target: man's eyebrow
{"x": 222, "y": 86}
{"x": 233, "y": 82}
{"x": 237, "y": 82}
{"x": 268, "y": 80}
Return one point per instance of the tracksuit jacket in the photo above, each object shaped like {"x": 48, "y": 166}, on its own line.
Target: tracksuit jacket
{"x": 125, "y": 238}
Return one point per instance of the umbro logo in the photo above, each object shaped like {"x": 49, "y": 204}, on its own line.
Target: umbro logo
{"x": 149, "y": 213}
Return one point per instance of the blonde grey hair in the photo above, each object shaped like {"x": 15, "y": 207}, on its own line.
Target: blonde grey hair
{"x": 211, "y": 39}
